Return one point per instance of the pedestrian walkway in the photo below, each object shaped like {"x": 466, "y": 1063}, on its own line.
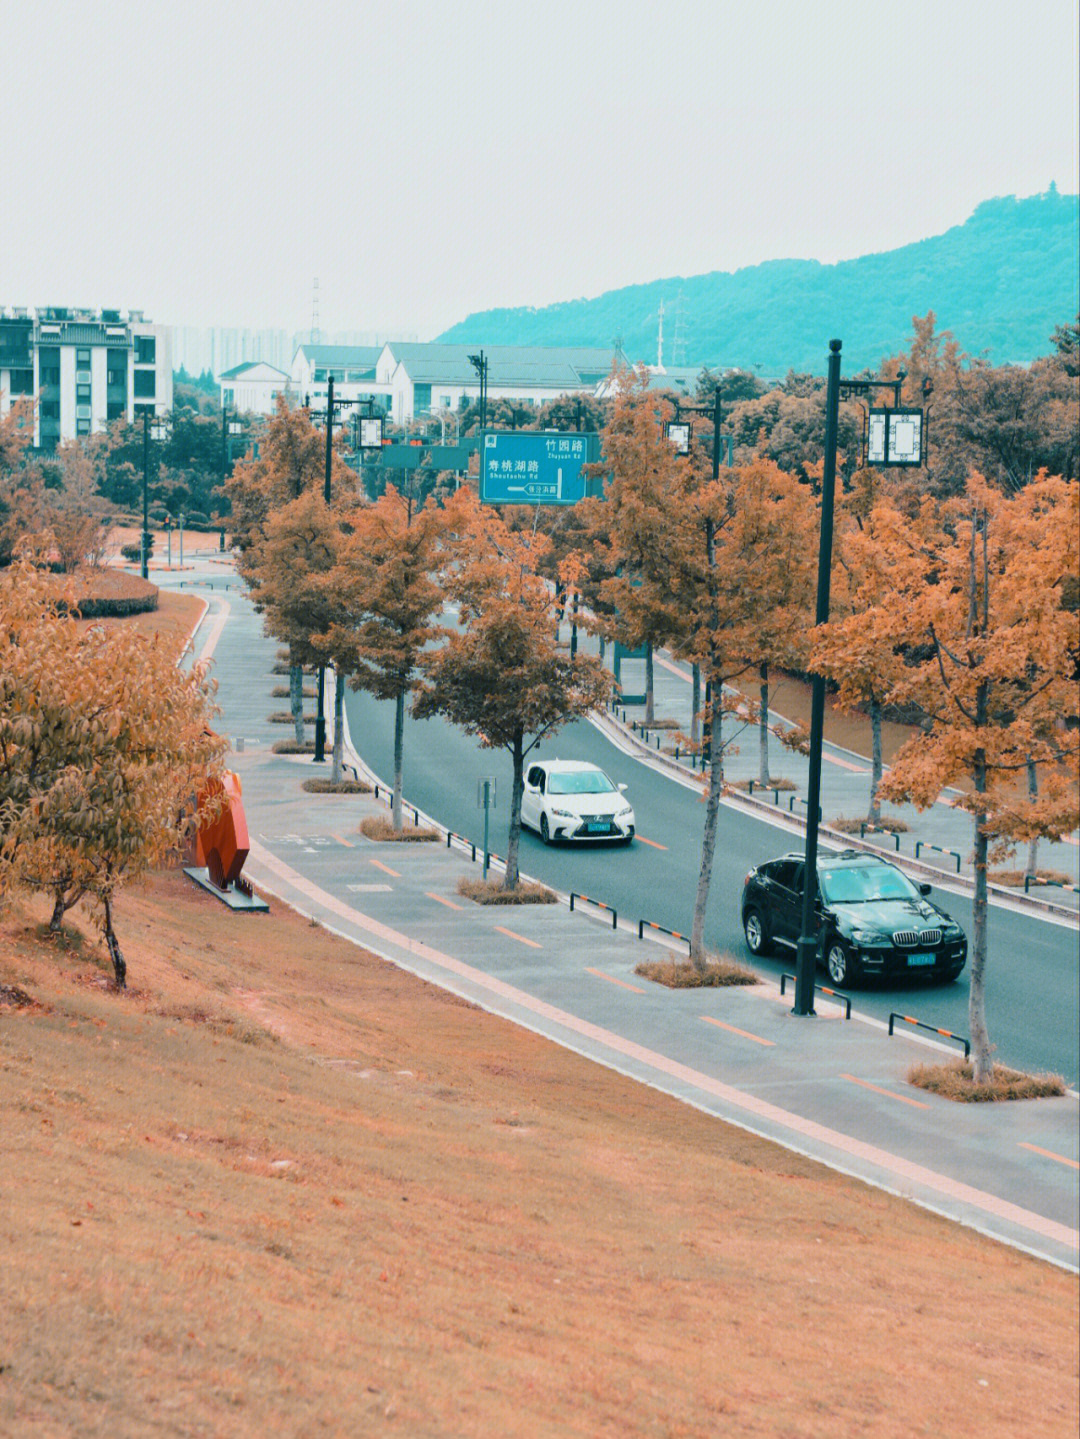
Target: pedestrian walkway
{"x": 832, "y": 1089}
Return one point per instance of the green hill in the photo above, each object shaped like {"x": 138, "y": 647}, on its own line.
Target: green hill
{"x": 1000, "y": 282}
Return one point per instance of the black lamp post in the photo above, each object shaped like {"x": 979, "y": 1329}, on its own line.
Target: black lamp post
{"x": 158, "y": 426}
{"x": 480, "y": 365}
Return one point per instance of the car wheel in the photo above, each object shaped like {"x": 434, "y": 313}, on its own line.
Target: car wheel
{"x": 838, "y": 963}
{"x": 757, "y": 933}
{"x": 545, "y": 832}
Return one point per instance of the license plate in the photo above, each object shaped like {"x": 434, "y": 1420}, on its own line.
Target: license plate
{"x": 914, "y": 959}
{"x": 598, "y": 829}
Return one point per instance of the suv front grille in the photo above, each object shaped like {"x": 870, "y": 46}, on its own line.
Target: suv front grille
{"x": 910, "y": 937}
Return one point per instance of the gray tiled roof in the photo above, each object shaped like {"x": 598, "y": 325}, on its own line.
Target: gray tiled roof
{"x": 238, "y": 370}
{"x": 352, "y": 357}
{"x": 571, "y": 367}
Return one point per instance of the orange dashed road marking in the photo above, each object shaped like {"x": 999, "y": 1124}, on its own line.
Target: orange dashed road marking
{"x": 732, "y": 1028}
{"x": 843, "y": 763}
{"x": 889, "y": 1094}
{"x": 384, "y": 867}
{"x": 652, "y": 842}
{"x": 519, "y": 937}
{"x": 1049, "y": 1154}
{"x": 622, "y": 983}
{"x": 346, "y": 842}
{"x": 439, "y": 900}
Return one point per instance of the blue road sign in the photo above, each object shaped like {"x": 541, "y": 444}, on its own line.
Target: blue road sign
{"x": 523, "y": 467}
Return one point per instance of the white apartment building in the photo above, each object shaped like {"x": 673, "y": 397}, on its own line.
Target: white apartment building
{"x": 85, "y": 368}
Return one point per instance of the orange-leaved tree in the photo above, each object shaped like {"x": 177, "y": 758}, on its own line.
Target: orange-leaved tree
{"x": 978, "y": 601}
{"x": 502, "y": 676}
{"x": 386, "y": 596}
{"x": 104, "y": 742}
{"x": 291, "y": 462}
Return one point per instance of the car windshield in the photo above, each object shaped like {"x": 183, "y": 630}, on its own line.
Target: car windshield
{"x": 855, "y": 884}
{"x": 587, "y": 781}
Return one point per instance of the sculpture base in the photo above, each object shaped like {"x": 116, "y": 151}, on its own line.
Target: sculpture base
{"x": 235, "y": 898}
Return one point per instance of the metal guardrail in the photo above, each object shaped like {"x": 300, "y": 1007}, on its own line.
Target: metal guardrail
{"x": 599, "y": 904}
{"x": 921, "y": 844}
{"x": 644, "y": 924}
{"x": 865, "y": 829}
{"x": 1050, "y": 884}
{"x": 821, "y": 989}
{"x": 947, "y": 1033}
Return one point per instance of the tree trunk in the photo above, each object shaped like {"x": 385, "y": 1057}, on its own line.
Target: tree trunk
{"x": 515, "y": 814}
{"x": 56, "y": 922}
{"x": 708, "y": 843}
{"x": 873, "y": 814}
{"x": 1033, "y": 843}
{"x": 982, "y": 1053}
{"x": 296, "y": 697}
{"x": 695, "y": 704}
{"x": 763, "y": 725}
{"x": 650, "y": 697}
{"x": 339, "y": 724}
{"x": 119, "y": 967}
{"x": 399, "y": 749}
{"x": 573, "y": 628}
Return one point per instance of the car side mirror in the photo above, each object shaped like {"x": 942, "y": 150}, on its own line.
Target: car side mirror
{"x": 925, "y": 888}
{"x": 621, "y": 788}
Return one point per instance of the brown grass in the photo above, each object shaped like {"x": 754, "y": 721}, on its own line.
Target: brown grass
{"x": 955, "y": 1080}
{"x": 379, "y": 827}
{"x": 282, "y": 692}
{"x": 846, "y": 825}
{"x": 679, "y": 973}
{"x": 331, "y": 786}
{"x": 291, "y": 746}
{"x": 781, "y": 784}
{"x": 1015, "y": 877}
{"x": 285, "y": 717}
{"x": 494, "y": 891}
{"x": 282, "y": 1186}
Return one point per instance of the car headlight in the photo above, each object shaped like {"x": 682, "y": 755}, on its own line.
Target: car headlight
{"x": 627, "y": 812}
{"x": 564, "y": 813}
{"x": 870, "y": 937}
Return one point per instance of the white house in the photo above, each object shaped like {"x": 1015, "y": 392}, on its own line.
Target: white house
{"x": 252, "y": 388}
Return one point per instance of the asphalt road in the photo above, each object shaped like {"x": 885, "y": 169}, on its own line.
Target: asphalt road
{"x": 1033, "y": 995}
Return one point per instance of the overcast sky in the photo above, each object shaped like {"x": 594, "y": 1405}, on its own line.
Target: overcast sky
{"x": 429, "y": 158}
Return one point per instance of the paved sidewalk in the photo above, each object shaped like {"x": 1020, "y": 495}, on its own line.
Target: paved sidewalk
{"x": 828, "y": 1088}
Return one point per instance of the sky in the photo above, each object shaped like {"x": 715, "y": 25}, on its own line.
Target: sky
{"x": 426, "y": 159}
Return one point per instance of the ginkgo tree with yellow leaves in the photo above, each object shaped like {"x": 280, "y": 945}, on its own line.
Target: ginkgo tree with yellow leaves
{"x": 104, "y": 744}
{"x": 502, "y": 676}
{"x": 979, "y": 607}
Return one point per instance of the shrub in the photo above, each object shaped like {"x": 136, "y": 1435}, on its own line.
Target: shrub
{"x": 493, "y": 891}
{"x": 679, "y": 973}
{"x": 377, "y": 826}
{"x": 290, "y": 746}
{"x": 955, "y": 1081}
{"x": 330, "y": 786}
{"x": 284, "y": 717}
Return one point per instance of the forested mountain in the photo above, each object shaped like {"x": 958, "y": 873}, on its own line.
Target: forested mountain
{"x": 1000, "y": 282}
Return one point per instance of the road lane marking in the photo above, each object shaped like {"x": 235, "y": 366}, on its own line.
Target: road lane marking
{"x": 384, "y": 867}
{"x": 843, "y": 763}
{"x": 734, "y": 1030}
{"x": 438, "y": 898}
{"x": 1049, "y": 1154}
{"x": 519, "y": 937}
{"x": 371, "y": 888}
{"x": 652, "y": 842}
{"x": 752, "y": 1111}
{"x": 889, "y": 1094}
{"x": 346, "y": 842}
{"x": 622, "y": 983}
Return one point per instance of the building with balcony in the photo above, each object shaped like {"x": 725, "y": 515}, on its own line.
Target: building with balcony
{"x": 85, "y": 369}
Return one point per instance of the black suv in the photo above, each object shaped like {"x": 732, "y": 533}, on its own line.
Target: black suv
{"x": 872, "y": 919}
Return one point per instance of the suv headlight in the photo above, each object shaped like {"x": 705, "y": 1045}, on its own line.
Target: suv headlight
{"x": 870, "y": 937}
{"x": 624, "y": 813}
{"x": 564, "y": 813}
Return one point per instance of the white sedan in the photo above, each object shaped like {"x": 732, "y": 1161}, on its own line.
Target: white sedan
{"x": 570, "y": 799}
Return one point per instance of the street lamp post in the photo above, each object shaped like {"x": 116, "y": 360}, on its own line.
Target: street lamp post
{"x": 158, "y": 428}
{"x": 480, "y": 365}
{"x": 899, "y": 433}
